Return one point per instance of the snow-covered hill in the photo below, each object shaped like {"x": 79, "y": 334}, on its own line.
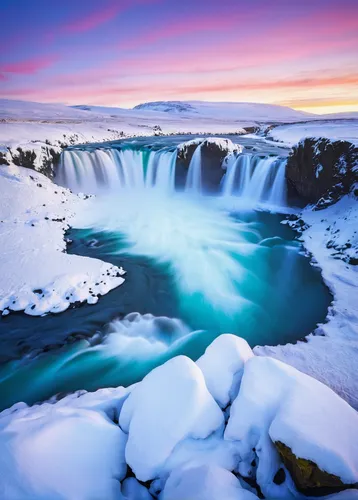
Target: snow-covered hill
{"x": 228, "y": 110}
{"x": 25, "y": 110}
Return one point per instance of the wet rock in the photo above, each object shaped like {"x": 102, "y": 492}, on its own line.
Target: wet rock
{"x": 307, "y": 476}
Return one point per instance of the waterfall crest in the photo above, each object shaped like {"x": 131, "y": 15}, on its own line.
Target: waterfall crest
{"x": 253, "y": 178}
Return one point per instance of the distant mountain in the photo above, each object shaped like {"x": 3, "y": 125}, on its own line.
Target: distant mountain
{"x": 168, "y": 107}
{"x": 227, "y": 110}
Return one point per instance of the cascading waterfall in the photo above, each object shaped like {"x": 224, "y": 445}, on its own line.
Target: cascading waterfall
{"x": 256, "y": 179}
{"x": 193, "y": 180}
{"x": 112, "y": 169}
{"x": 253, "y": 179}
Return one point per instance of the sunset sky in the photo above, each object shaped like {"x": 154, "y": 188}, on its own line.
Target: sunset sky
{"x": 299, "y": 53}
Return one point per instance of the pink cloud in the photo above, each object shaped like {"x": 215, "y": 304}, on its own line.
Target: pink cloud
{"x": 28, "y": 66}
{"x": 300, "y": 83}
{"x": 102, "y": 16}
{"x": 118, "y": 93}
{"x": 95, "y": 19}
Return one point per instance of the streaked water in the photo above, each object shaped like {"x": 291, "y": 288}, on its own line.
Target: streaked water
{"x": 197, "y": 266}
{"x": 239, "y": 273}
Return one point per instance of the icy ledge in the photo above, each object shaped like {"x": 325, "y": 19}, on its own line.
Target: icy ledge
{"x": 224, "y": 145}
{"x": 37, "y": 276}
{"x": 202, "y": 431}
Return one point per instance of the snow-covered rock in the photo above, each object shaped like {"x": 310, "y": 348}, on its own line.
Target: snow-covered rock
{"x": 278, "y": 404}
{"x": 133, "y": 490}
{"x": 171, "y": 404}
{"x": 61, "y": 453}
{"x": 171, "y": 430}
{"x": 204, "y": 483}
{"x": 223, "y": 366}
{"x": 226, "y": 146}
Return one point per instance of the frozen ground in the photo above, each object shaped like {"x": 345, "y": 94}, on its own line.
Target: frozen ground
{"x": 37, "y": 276}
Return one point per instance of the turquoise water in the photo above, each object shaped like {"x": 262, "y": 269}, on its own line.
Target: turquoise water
{"x": 195, "y": 269}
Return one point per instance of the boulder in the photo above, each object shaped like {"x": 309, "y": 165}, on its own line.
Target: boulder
{"x": 322, "y": 168}
{"x": 307, "y": 476}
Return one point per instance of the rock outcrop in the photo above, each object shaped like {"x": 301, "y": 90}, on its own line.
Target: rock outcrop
{"x": 322, "y": 170}
{"x": 307, "y": 476}
{"x": 213, "y": 152}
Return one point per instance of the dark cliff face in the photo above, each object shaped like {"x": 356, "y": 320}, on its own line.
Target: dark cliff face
{"x": 212, "y": 155}
{"x": 321, "y": 171}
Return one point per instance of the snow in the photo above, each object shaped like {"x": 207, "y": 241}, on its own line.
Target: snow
{"x": 204, "y": 483}
{"x": 223, "y": 365}
{"x": 169, "y": 405}
{"x": 133, "y": 490}
{"x": 330, "y": 353}
{"x": 37, "y": 127}
{"x": 278, "y": 403}
{"x": 224, "y": 144}
{"x": 227, "y": 110}
{"x": 61, "y": 453}
{"x": 331, "y": 129}
{"x": 37, "y": 276}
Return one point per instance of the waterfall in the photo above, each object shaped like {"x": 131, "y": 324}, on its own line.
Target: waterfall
{"x": 253, "y": 178}
{"x": 193, "y": 180}
{"x": 237, "y": 175}
{"x": 161, "y": 170}
{"x": 106, "y": 170}
{"x": 256, "y": 179}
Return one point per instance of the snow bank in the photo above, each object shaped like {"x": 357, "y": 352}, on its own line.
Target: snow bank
{"x": 223, "y": 366}
{"x": 169, "y": 405}
{"x": 204, "y": 483}
{"x": 330, "y": 354}
{"x": 330, "y": 129}
{"x": 37, "y": 276}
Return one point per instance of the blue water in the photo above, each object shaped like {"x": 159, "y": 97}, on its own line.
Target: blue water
{"x": 193, "y": 271}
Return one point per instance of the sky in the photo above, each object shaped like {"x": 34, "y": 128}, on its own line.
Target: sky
{"x": 298, "y": 53}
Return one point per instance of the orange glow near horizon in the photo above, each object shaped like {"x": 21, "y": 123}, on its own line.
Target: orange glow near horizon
{"x": 122, "y": 53}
